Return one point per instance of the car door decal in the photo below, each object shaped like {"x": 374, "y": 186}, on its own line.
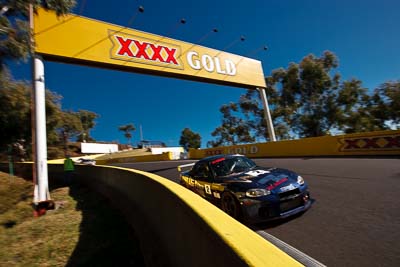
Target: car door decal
{"x": 216, "y": 195}
{"x": 207, "y": 188}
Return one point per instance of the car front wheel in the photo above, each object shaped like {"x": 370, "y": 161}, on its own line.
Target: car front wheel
{"x": 230, "y": 205}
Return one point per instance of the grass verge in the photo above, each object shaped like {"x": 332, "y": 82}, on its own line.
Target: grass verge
{"x": 84, "y": 229}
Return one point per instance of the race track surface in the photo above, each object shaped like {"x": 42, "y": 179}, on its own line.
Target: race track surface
{"x": 355, "y": 217}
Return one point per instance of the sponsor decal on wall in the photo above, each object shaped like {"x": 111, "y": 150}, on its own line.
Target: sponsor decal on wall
{"x": 243, "y": 150}
{"x": 385, "y": 143}
{"x": 213, "y": 152}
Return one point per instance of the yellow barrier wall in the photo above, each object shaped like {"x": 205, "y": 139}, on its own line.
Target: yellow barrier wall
{"x": 144, "y": 158}
{"x": 372, "y": 143}
{"x": 175, "y": 226}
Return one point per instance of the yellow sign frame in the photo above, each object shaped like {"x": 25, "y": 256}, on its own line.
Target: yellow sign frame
{"x": 79, "y": 40}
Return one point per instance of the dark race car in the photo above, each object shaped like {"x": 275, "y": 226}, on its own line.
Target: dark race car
{"x": 246, "y": 191}
{"x": 86, "y": 161}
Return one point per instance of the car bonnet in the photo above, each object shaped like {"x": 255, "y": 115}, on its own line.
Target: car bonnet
{"x": 267, "y": 178}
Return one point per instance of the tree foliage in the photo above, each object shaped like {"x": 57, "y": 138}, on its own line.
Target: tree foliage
{"x": 15, "y": 97}
{"x": 14, "y": 25}
{"x": 127, "y": 129}
{"x": 234, "y": 129}
{"x": 15, "y": 115}
{"x": 15, "y": 118}
{"x": 189, "y": 139}
{"x": 355, "y": 111}
{"x": 307, "y": 94}
{"x": 386, "y": 102}
{"x": 88, "y": 121}
{"x": 69, "y": 125}
{"x": 309, "y": 99}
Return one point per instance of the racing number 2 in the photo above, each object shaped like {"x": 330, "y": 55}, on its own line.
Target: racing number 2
{"x": 207, "y": 188}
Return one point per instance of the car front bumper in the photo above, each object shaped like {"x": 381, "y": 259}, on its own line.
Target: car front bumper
{"x": 274, "y": 208}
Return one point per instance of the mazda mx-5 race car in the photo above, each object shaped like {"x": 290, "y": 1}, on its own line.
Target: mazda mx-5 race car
{"x": 246, "y": 191}
{"x": 86, "y": 161}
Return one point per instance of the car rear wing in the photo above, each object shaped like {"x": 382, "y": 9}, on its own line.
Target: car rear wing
{"x": 185, "y": 166}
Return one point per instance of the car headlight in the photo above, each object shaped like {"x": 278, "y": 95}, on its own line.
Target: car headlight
{"x": 300, "y": 180}
{"x": 257, "y": 192}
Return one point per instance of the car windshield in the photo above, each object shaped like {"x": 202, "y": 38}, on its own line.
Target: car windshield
{"x": 228, "y": 166}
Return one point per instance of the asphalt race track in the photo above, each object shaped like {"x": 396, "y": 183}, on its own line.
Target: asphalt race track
{"x": 355, "y": 217}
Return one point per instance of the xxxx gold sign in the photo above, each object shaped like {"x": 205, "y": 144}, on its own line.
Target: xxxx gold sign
{"x": 76, "y": 39}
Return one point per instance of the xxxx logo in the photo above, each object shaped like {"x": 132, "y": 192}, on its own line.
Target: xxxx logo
{"x": 370, "y": 143}
{"x": 141, "y": 50}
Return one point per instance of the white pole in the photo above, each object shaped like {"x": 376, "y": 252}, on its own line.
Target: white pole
{"x": 42, "y": 186}
{"x": 267, "y": 115}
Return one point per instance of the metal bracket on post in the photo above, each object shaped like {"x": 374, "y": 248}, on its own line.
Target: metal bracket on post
{"x": 267, "y": 114}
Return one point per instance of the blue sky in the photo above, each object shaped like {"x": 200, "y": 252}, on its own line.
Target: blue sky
{"x": 365, "y": 35}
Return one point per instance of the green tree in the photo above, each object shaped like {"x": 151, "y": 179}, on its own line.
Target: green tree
{"x": 304, "y": 96}
{"x": 234, "y": 129}
{"x": 69, "y": 126}
{"x": 253, "y": 110}
{"x": 14, "y": 25}
{"x": 54, "y": 116}
{"x": 15, "y": 97}
{"x": 355, "y": 111}
{"x": 315, "y": 91}
{"x": 15, "y": 115}
{"x": 302, "y": 103}
{"x": 15, "y": 111}
{"x": 15, "y": 118}
{"x": 189, "y": 139}
{"x": 127, "y": 129}
{"x": 87, "y": 119}
{"x": 307, "y": 100}
{"x": 15, "y": 46}
{"x": 386, "y": 103}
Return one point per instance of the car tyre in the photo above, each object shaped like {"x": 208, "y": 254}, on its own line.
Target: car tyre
{"x": 230, "y": 205}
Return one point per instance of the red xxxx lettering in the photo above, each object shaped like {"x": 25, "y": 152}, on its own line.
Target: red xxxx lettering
{"x": 142, "y": 52}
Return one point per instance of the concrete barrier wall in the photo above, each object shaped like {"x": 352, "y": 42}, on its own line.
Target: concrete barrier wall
{"x": 175, "y": 226}
{"x": 361, "y": 144}
{"x": 176, "y": 151}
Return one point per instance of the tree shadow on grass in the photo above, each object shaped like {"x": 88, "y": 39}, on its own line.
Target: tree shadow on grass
{"x": 106, "y": 239}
